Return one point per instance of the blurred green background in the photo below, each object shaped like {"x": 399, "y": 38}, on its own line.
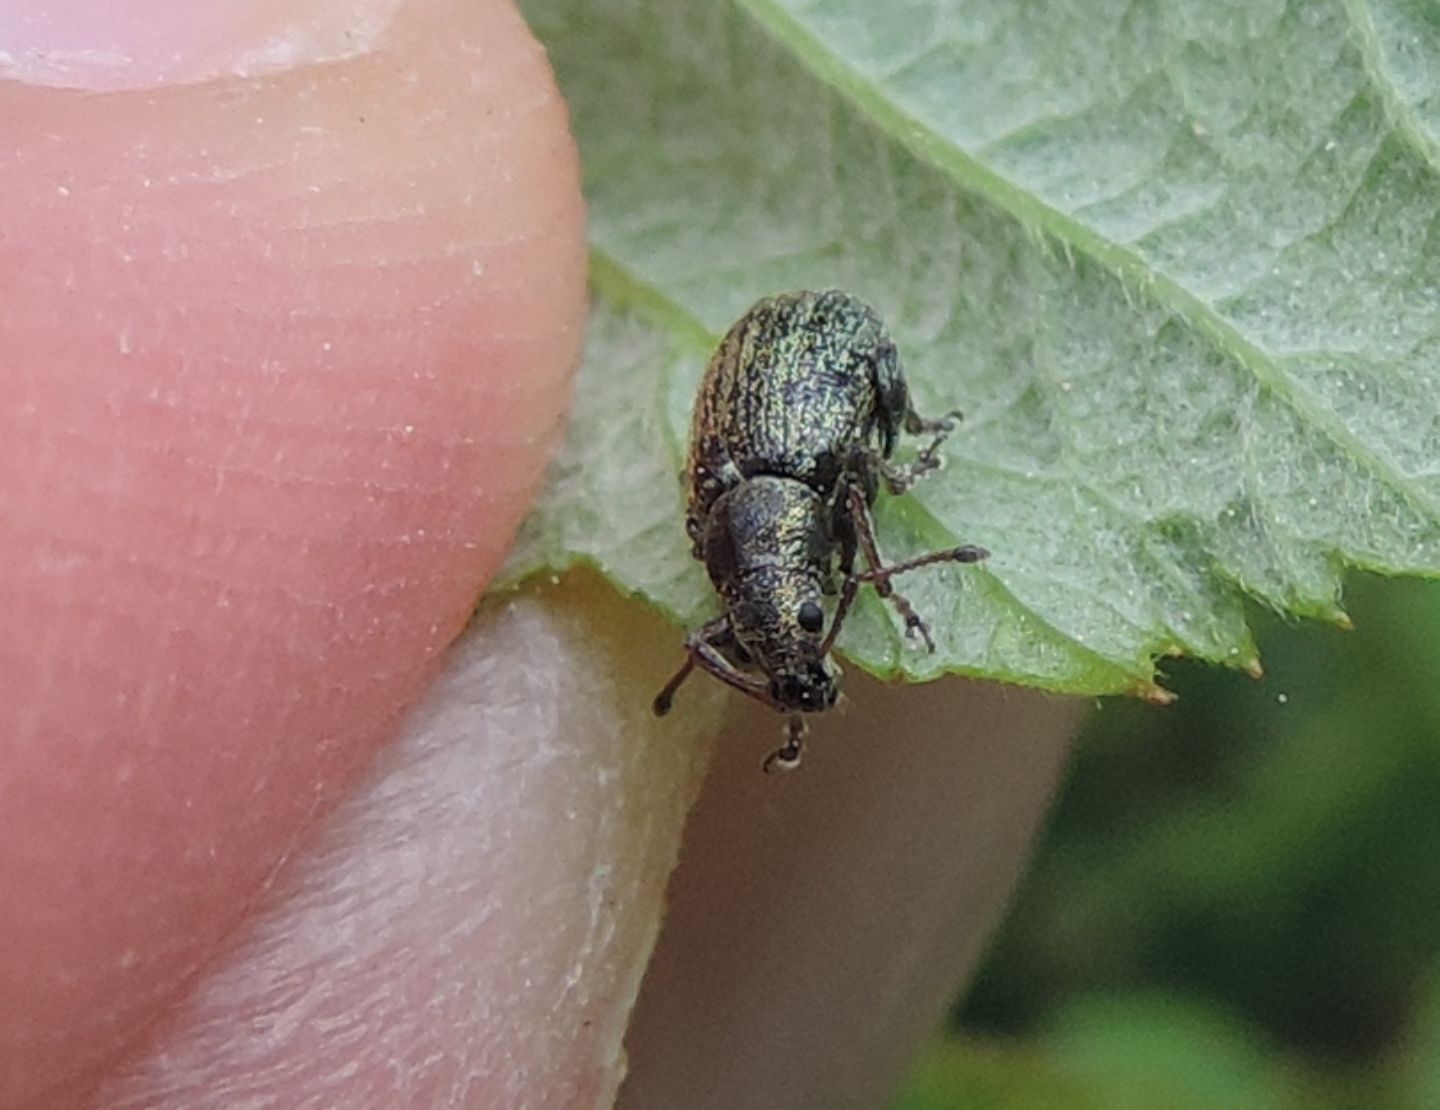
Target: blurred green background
{"x": 1237, "y": 902}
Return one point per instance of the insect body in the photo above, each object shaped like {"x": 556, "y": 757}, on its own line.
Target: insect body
{"x": 795, "y": 426}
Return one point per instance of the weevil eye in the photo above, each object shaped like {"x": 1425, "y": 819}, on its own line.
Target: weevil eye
{"x": 811, "y": 616}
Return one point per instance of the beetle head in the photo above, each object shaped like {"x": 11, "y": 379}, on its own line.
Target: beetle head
{"x": 777, "y": 616}
{"x": 768, "y": 548}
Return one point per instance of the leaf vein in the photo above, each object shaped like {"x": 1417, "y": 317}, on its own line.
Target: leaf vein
{"x": 1404, "y": 118}
{"x": 939, "y": 152}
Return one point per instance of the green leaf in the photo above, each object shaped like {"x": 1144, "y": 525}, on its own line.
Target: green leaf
{"x": 1177, "y": 260}
{"x": 980, "y": 1075}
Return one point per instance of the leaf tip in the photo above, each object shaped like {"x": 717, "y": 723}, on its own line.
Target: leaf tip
{"x": 1148, "y": 691}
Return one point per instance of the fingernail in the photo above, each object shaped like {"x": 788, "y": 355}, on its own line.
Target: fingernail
{"x": 99, "y": 45}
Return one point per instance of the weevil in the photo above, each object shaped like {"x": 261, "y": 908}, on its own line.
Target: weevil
{"x": 795, "y": 428}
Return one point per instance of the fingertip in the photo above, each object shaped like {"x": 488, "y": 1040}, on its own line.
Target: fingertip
{"x": 285, "y": 355}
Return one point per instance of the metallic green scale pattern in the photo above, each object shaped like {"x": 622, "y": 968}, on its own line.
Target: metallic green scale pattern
{"x": 769, "y": 549}
{"x": 798, "y": 384}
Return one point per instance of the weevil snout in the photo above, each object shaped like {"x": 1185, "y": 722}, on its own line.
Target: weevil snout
{"x": 811, "y": 690}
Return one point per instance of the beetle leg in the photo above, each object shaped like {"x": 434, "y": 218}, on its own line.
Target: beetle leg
{"x": 848, "y": 590}
{"x": 865, "y": 533}
{"x": 710, "y": 660}
{"x": 665, "y": 699}
{"x": 965, "y": 553}
{"x": 844, "y": 531}
{"x": 700, "y": 651}
{"x": 900, "y": 478}
{"x": 916, "y": 424}
{"x": 787, "y": 756}
{"x": 879, "y": 574}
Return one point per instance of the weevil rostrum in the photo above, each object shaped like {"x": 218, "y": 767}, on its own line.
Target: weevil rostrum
{"x": 795, "y": 427}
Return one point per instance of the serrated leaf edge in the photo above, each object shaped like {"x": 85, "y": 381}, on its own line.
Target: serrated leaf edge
{"x": 627, "y": 291}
